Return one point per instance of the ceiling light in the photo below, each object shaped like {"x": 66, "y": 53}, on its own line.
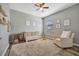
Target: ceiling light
{"x": 41, "y": 6}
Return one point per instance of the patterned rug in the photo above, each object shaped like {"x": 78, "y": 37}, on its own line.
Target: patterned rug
{"x": 35, "y": 48}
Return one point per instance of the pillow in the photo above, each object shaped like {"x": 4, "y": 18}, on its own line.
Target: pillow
{"x": 65, "y": 34}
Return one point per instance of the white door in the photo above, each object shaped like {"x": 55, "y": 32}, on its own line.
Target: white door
{"x": 1, "y": 39}
{"x": 4, "y": 39}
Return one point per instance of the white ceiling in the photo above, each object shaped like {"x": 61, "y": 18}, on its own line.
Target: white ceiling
{"x": 31, "y": 9}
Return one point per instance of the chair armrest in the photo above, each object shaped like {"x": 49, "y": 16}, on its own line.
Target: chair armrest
{"x": 72, "y": 36}
{"x": 66, "y": 38}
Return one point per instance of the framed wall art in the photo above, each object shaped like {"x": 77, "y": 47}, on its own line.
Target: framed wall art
{"x": 49, "y": 25}
{"x": 66, "y": 22}
{"x": 58, "y": 26}
{"x": 28, "y": 23}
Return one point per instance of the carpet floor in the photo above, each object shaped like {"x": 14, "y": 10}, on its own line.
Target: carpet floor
{"x": 35, "y": 48}
{"x": 41, "y": 48}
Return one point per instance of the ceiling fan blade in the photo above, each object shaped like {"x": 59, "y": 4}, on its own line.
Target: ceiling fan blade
{"x": 38, "y": 5}
{"x": 42, "y": 4}
{"x": 45, "y": 7}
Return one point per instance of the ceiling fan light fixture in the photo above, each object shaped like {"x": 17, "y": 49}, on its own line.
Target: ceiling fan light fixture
{"x": 41, "y": 9}
{"x": 41, "y": 6}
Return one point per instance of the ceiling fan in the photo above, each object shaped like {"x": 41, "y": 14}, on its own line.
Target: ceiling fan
{"x": 41, "y": 6}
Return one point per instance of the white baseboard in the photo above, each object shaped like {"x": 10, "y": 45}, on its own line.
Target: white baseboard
{"x": 5, "y": 50}
{"x": 76, "y": 44}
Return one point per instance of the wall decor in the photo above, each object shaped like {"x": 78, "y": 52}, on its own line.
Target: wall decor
{"x": 5, "y": 23}
{"x": 66, "y": 22}
{"x": 28, "y": 23}
{"x": 50, "y": 25}
{"x": 3, "y": 19}
{"x": 58, "y": 25}
{"x": 2, "y": 11}
{"x": 2, "y": 16}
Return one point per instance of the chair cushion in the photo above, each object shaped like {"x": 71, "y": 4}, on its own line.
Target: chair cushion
{"x": 65, "y": 34}
{"x": 58, "y": 39}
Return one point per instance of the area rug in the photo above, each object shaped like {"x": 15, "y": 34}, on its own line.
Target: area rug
{"x": 35, "y": 48}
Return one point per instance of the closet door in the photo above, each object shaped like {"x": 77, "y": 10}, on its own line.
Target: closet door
{"x": 4, "y": 39}
{"x": 1, "y": 40}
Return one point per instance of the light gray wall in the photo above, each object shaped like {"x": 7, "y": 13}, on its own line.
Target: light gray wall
{"x": 3, "y": 31}
{"x": 18, "y": 21}
{"x": 72, "y": 14}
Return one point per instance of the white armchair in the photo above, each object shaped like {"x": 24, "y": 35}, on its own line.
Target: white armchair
{"x": 65, "y": 42}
